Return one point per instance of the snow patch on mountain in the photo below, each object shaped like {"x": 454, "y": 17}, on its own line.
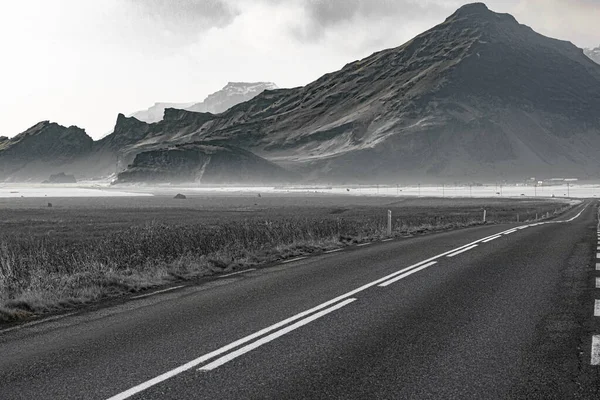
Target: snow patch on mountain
{"x": 594, "y": 54}
{"x": 232, "y": 94}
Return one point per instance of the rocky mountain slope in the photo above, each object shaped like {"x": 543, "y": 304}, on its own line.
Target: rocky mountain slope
{"x": 233, "y": 93}
{"x": 156, "y": 112}
{"x": 205, "y": 163}
{"x": 478, "y": 97}
{"x": 594, "y": 54}
{"x": 43, "y": 149}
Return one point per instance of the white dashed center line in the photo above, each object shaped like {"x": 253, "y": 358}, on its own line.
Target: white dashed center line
{"x": 461, "y": 251}
{"x": 235, "y": 354}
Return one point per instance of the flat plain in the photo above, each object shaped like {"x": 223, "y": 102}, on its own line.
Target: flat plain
{"x": 80, "y": 250}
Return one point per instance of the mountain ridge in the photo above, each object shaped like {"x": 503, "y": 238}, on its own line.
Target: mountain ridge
{"x": 478, "y": 96}
{"x": 231, "y": 94}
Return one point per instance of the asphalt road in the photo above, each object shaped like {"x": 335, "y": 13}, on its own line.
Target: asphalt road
{"x": 419, "y": 318}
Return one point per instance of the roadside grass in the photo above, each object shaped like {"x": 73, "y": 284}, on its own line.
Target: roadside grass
{"x": 46, "y": 273}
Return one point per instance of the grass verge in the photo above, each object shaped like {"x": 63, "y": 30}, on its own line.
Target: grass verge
{"x": 39, "y": 275}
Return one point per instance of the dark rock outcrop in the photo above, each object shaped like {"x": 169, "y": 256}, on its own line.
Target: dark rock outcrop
{"x": 180, "y": 196}
{"x": 61, "y": 177}
{"x": 42, "y": 149}
{"x": 204, "y": 163}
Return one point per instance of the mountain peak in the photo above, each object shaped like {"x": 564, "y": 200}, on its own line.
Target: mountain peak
{"x": 473, "y": 8}
{"x": 480, "y": 11}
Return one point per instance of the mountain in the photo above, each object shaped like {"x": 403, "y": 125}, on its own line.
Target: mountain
{"x": 478, "y": 97}
{"x": 156, "y": 112}
{"x": 233, "y": 93}
{"x": 203, "y": 162}
{"x": 43, "y": 149}
{"x": 594, "y": 54}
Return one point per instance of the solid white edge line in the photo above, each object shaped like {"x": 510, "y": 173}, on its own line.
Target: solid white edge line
{"x": 490, "y": 239}
{"x": 386, "y": 240}
{"x": 597, "y": 308}
{"x": 157, "y": 292}
{"x": 33, "y": 323}
{"x": 510, "y": 231}
{"x": 596, "y": 350}
{"x": 333, "y": 251}
{"x": 462, "y": 251}
{"x": 293, "y": 259}
{"x": 396, "y": 279}
{"x": 237, "y": 273}
{"x": 364, "y": 244}
{"x": 234, "y": 354}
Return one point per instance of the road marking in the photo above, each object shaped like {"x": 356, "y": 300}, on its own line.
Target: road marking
{"x": 333, "y": 251}
{"x": 510, "y": 231}
{"x": 597, "y": 255}
{"x": 237, "y": 273}
{"x": 596, "y": 350}
{"x": 33, "y": 323}
{"x": 396, "y": 279}
{"x": 363, "y": 244}
{"x": 225, "y": 359}
{"x": 293, "y": 259}
{"x": 461, "y": 251}
{"x": 387, "y": 240}
{"x": 490, "y": 239}
{"x": 169, "y": 374}
{"x": 598, "y": 283}
{"x": 598, "y": 267}
{"x": 157, "y": 292}
{"x": 597, "y": 308}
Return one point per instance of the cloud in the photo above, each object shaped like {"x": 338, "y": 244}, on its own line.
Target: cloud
{"x": 183, "y": 18}
{"x": 320, "y": 17}
{"x": 574, "y": 20}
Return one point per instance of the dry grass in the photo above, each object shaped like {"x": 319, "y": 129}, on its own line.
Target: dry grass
{"x": 41, "y": 273}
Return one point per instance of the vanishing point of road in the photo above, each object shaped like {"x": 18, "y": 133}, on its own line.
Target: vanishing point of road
{"x": 489, "y": 312}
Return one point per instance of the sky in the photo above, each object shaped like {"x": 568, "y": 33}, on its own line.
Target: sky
{"x": 81, "y": 62}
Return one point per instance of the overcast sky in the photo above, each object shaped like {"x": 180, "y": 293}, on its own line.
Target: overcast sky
{"x": 81, "y": 62}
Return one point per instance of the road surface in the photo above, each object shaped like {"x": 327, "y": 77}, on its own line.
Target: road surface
{"x": 489, "y": 312}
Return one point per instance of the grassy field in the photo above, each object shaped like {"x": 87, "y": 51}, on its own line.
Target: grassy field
{"x": 85, "y": 249}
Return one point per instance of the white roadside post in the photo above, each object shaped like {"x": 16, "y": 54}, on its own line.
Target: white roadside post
{"x": 389, "y": 223}
{"x": 484, "y": 214}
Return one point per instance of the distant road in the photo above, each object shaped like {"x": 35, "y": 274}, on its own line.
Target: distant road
{"x": 489, "y": 312}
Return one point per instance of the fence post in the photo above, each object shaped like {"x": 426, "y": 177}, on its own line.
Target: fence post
{"x": 484, "y": 214}
{"x": 389, "y": 223}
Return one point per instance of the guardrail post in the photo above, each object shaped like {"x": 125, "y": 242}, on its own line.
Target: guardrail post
{"x": 389, "y": 223}
{"x": 484, "y": 214}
